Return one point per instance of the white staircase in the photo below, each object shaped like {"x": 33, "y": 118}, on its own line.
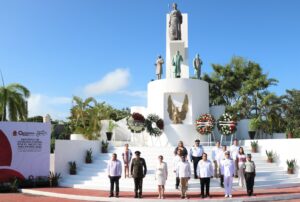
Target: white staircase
{"x": 94, "y": 176}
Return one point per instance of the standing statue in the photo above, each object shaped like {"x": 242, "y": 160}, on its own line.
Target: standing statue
{"x": 175, "y": 23}
{"x": 159, "y": 69}
{"x": 176, "y": 62}
{"x": 197, "y": 62}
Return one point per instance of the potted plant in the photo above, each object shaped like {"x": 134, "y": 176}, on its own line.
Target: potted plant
{"x": 291, "y": 166}
{"x": 89, "y": 156}
{"x": 73, "y": 168}
{"x": 53, "y": 179}
{"x": 104, "y": 146}
{"x": 110, "y": 128}
{"x": 254, "y": 145}
{"x": 289, "y": 130}
{"x": 252, "y": 127}
{"x": 270, "y": 156}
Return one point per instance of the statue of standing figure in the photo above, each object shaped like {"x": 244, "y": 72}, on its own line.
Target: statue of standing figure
{"x": 176, "y": 62}
{"x": 197, "y": 66}
{"x": 175, "y": 23}
{"x": 159, "y": 69}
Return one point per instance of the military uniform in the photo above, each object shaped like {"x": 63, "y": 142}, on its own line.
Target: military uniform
{"x": 249, "y": 176}
{"x": 138, "y": 171}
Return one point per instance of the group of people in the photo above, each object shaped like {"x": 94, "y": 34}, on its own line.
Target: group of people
{"x": 225, "y": 164}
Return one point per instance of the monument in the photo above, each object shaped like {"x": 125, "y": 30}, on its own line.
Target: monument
{"x": 178, "y": 99}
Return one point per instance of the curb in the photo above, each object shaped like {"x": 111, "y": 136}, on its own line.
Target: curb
{"x": 94, "y": 198}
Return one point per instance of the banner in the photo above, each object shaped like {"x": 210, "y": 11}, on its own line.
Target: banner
{"x": 24, "y": 149}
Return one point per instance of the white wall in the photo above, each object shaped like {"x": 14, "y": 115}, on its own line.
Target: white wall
{"x": 196, "y": 90}
{"x": 242, "y": 129}
{"x": 52, "y": 162}
{"x": 284, "y": 149}
{"x": 217, "y": 111}
{"x": 72, "y": 150}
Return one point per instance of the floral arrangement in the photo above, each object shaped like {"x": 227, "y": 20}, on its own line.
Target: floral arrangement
{"x": 205, "y": 124}
{"x": 154, "y": 125}
{"x": 227, "y": 124}
{"x": 136, "y": 122}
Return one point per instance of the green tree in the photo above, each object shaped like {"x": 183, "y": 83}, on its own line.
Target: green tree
{"x": 272, "y": 113}
{"x": 238, "y": 85}
{"x": 292, "y": 111}
{"x": 13, "y": 102}
{"x": 79, "y": 110}
{"x": 86, "y": 116}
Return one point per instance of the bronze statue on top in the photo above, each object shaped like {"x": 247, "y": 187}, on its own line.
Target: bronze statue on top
{"x": 175, "y": 23}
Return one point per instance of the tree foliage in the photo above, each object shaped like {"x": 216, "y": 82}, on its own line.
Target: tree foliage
{"x": 13, "y": 98}
{"x": 291, "y": 106}
{"x": 238, "y": 85}
{"x": 86, "y": 116}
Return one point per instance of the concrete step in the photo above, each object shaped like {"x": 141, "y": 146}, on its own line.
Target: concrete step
{"x": 93, "y": 176}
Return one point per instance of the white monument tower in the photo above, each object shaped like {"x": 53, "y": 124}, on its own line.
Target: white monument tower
{"x": 183, "y": 98}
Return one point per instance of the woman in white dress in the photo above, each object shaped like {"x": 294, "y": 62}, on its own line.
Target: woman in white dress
{"x": 241, "y": 160}
{"x": 161, "y": 175}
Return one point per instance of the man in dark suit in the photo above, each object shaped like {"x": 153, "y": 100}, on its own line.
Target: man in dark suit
{"x": 138, "y": 171}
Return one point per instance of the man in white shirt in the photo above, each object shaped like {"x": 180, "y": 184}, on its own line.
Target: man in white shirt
{"x": 114, "y": 172}
{"x": 196, "y": 155}
{"x": 220, "y": 158}
{"x": 177, "y": 159}
{"x": 205, "y": 172}
{"x": 184, "y": 173}
{"x": 234, "y": 150}
{"x": 214, "y": 156}
{"x": 227, "y": 168}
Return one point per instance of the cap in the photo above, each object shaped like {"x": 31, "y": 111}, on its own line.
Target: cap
{"x": 249, "y": 155}
{"x": 137, "y": 152}
{"x": 227, "y": 152}
{"x": 197, "y": 140}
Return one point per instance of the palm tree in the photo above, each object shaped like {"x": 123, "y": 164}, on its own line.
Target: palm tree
{"x": 79, "y": 110}
{"x": 13, "y": 102}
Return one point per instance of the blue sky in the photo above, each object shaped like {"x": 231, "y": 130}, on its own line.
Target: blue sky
{"x": 107, "y": 48}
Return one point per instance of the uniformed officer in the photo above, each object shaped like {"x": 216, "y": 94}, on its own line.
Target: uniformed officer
{"x": 138, "y": 171}
{"x": 249, "y": 174}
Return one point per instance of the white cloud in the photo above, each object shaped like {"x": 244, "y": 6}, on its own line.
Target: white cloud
{"x": 56, "y": 107}
{"x": 140, "y": 94}
{"x": 111, "y": 82}
{"x": 60, "y": 100}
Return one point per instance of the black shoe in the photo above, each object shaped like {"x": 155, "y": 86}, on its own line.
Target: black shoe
{"x": 111, "y": 195}
{"x": 208, "y": 196}
{"x": 176, "y": 187}
{"x": 136, "y": 196}
{"x": 182, "y": 197}
{"x": 202, "y": 196}
{"x": 222, "y": 185}
{"x": 117, "y": 195}
{"x": 140, "y": 196}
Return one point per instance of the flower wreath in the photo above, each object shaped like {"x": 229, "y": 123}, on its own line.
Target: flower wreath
{"x": 205, "y": 124}
{"x": 226, "y": 124}
{"x": 136, "y": 122}
{"x": 154, "y": 125}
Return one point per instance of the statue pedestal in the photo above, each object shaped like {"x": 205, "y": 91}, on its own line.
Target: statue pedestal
{"x": 173, "y": 46}
{"x": 198, "y": 104}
